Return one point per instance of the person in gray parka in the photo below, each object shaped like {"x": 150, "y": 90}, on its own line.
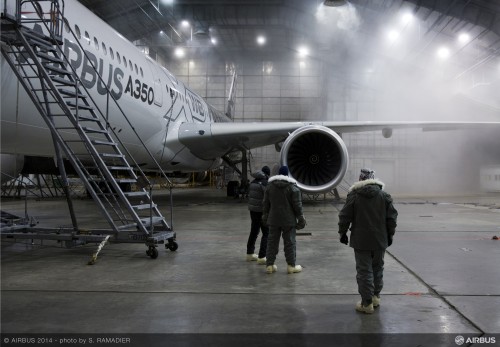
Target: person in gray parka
{"x": 283, "y": 213}
{"x": 255, "y": 205}
{"x": 373, "y": 219}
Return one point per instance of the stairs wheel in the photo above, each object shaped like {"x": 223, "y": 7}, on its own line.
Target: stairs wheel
{"x": 152, "y": 252}
{"x": 172, "y": 245}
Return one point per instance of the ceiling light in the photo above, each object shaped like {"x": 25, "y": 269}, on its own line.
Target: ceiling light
{"x": 407, "y": 18}
{"x": 443, "y": 53}
{"x": 464, "y": 38}
{"x": 392, "y": 35}
{"x": 179, "y": 52}
{"x": 334, "y": 3}
{"x": 261, "y": 40}
{"x": 303, "y": 51}
{"x": 213, "y": 40}
{"x": 185, "y": 24}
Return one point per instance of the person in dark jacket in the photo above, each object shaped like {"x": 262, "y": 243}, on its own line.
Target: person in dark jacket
{"x": 255, "y": 201}
{"x": 283, "y": 213}
{"x": 373, "y": 219}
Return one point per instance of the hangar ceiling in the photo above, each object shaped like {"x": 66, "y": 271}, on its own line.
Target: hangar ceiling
{"x": 359, "y": 31}
{"x": 288, "y": 23}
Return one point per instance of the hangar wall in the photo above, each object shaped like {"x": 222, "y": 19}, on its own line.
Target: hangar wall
{"x": 290, "y": 90}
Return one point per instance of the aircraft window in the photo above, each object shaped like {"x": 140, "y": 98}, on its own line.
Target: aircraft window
{"x": 96, "y": 44}
{"x": 78, "y": 33}
{"x": 118, "y": 58}
{"x": 142, "y": 73}
{"x": 87, "y": 37}
{"x": 111, "y": 53}
{"x": 104, "y": 49}
{"x": 136, "y": 70}
{"x": 131, "y": 65}
{"x": 125, "y": 61}
{"x": 66, "y": 25}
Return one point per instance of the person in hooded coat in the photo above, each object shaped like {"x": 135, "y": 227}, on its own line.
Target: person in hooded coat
{"x": 283, "y": 213}
{"x": 373, "y": 219}
{"x": 255, "y": 206}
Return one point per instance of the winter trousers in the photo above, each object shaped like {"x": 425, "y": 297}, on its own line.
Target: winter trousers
{"x": 256, "y": 226}
{"x": 370, "y": 273}
{"x": 273, "y": 243}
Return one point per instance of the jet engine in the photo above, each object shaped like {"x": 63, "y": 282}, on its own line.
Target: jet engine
{"x": 316, "y": 158}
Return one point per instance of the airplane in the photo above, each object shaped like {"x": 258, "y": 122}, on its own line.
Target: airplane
{"x": 180, "y": 129}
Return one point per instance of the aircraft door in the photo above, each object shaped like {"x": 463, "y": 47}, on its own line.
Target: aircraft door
{"x": 157, "y": 83}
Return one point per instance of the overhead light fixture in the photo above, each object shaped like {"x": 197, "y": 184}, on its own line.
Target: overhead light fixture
{"x": 443, "y": 53}
{"x": 334, "y": 3}
{"x": 303, "y": 51}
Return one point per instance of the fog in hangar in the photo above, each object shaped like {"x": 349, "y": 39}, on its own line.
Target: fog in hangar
{"x": 366, "y": 60}
{"x": 299, "y": 61}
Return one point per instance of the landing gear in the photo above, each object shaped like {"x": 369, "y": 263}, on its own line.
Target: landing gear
{"x": 152, "y": 252}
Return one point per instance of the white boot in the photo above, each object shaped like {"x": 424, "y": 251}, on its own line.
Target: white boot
{"x": 366, "y": 309}
{"x": 376, "y": 301}
{"x": 294, "y": 269}
{"x": 252, "y": 257}
{"x": 271, "y": 268}
{"x": 261, "y": 261}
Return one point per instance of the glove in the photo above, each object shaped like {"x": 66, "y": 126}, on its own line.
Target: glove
{"x": 301, "y": 223}
{"x": 389, "y": 241}
{"x": 344, "y": 239}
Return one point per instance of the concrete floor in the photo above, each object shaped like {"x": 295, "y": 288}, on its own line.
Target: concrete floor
{"x": 442, "y": 279}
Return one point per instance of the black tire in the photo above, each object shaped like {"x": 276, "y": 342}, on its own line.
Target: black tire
{"x": 153, "y": 253}
{"x": 172, "y": 245}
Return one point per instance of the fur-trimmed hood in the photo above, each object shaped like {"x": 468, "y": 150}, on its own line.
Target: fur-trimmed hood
{"x": 361, "y": 184}
{"x": 282, "y": 178}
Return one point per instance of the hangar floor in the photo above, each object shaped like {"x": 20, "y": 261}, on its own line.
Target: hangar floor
{"x": 441, "y": 277}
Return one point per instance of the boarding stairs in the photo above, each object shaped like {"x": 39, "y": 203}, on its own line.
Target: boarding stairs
{"x": 81, "y": 131}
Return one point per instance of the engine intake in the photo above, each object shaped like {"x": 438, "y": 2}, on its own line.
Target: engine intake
{"x": 316, "y": 158}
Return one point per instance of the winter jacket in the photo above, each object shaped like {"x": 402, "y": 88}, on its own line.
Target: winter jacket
{"x": 371, "y": 214}
{"x": 256, "y": 192}
{"x": 282, "y": 202}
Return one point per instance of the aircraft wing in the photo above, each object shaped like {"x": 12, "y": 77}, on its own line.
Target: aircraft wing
{"x": 210, "y": 140}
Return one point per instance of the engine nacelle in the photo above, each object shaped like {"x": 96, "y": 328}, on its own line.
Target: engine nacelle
{"x": 316, "y": 158}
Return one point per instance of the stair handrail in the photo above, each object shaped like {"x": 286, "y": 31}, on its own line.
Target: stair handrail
{"x": 108, "y": 94}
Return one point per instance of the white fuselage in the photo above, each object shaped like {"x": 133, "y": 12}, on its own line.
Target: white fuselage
{"x": 154, "y": 101}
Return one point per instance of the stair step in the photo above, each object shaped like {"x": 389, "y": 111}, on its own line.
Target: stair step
{"x": 95, "y": 131}
{"x": 88, "y": 119}
{"x": 41, "y": 43}
{"x": 124, "y": 168}
{"x": 126, "y": 180}
{"x": 80, "y": 106}
{"x": 62, "y": 81}
{"x": 35, "y": 34}
{"x": 156, "y": 220}
{"x": 143, "y": 206}
{"x": 105, "y": 143}
{"x": 135, "y": 194}
{"x": 49, "y": 57}
{"x": 111, "y": 155}
{"x": 57, "y": 69}
{"x": 72, "y": 93}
